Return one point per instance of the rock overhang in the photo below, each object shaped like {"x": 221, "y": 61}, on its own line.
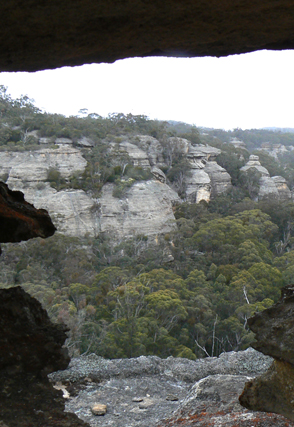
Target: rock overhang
{"x": 37, "y": 35}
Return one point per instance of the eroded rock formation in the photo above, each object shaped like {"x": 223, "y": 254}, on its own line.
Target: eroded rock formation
{"x": 274, "y": 329}
{"x": 37, "y": 35}
{"x": 274, "y": 187}
{"x": 19, "y": 219}
{"x": 30, "y": 348}
{"x": 145, "y": 207}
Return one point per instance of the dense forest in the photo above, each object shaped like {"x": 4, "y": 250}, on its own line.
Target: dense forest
{"x": 230, "y": 257}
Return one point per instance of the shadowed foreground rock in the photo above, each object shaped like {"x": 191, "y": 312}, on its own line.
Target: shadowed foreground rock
{"x": 39, "y": 34}
{"x": 274, "y": 328}
{"x": 30, "y": 348}
{"x": 19, "y": 219}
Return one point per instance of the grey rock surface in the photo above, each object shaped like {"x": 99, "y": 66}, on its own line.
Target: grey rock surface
{"x": 146, "y": 390}
{"x": 267, "y": 188}
{"x": 220, "y": 179}
{"x": 254, "y": 163}
{"x": 145, "y": 209}
{"x": 282, "y": 187}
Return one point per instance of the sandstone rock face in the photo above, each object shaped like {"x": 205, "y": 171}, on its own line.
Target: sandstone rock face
{"x": 179, "y": 144}
{"x": 139, "y": 157}
{"x": 282, "y": 187}
{"x": 267, "y": 188}
{"x": 206, "y": 177}
{"x": 198, "y": 186}
{"x": 274, "y": 329}
{"x": 152, "y": 147}
{"x": 220, "y": 179}
{"x": 33, "y": 166}
{"x": 31, "y": 347}
{"x": 19, "y": 219}
{"x": 149, "y": 391}
{"x": 72, "y": 211}
{"x": 254, "y": 163}
{"x": 273, "y": 187}
{"x": 146, "y": 209}
{"x": 107, "y": 31}
{"x": 158, "y": 174}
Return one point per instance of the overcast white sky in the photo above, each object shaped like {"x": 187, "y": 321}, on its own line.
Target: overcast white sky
{"x": 248, "y": 91}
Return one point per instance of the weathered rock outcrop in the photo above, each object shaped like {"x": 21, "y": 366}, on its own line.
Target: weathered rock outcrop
{"x": 146, "y": 209}
{"x": 274, "y": 329}
{"x": 21, "y": 220}
{"x": 138, "y": 157}
{"x": 152, "y": 147}
{"x": 273, "y": 187}
{"x": 33, "y": 166}
{"x": 71, "y": 211}
{"x": 30, "y": 348}
{"x": 149, "y": 391}
{"x": 254, "y": 163}
{"x": 206, "y": 177}
{"x": 220, "y": 179}
{"x": 282, "y": 187}
{"x": 198, "y": 186}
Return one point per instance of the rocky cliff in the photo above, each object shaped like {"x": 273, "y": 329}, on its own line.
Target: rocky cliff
{"x": 144, "y": 207}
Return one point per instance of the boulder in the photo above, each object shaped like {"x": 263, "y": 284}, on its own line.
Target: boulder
{"x": 31, "y": 347}
{"x": 274, "y": 329}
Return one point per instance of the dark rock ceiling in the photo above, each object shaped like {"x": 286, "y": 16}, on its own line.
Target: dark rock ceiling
{"x": 37, "y": 34}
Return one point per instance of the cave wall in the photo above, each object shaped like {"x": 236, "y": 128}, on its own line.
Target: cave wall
{"x": 36, "y": 35}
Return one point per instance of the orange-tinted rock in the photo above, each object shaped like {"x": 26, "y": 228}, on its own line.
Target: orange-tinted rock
{"x": 19, "y": 219}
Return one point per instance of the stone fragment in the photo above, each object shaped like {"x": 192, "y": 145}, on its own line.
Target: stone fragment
{"x": 99, "y": 409}
{"x": 172, "y": 398}
{"x": 137, "y": 399}
{"x": 147, "y": 402}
